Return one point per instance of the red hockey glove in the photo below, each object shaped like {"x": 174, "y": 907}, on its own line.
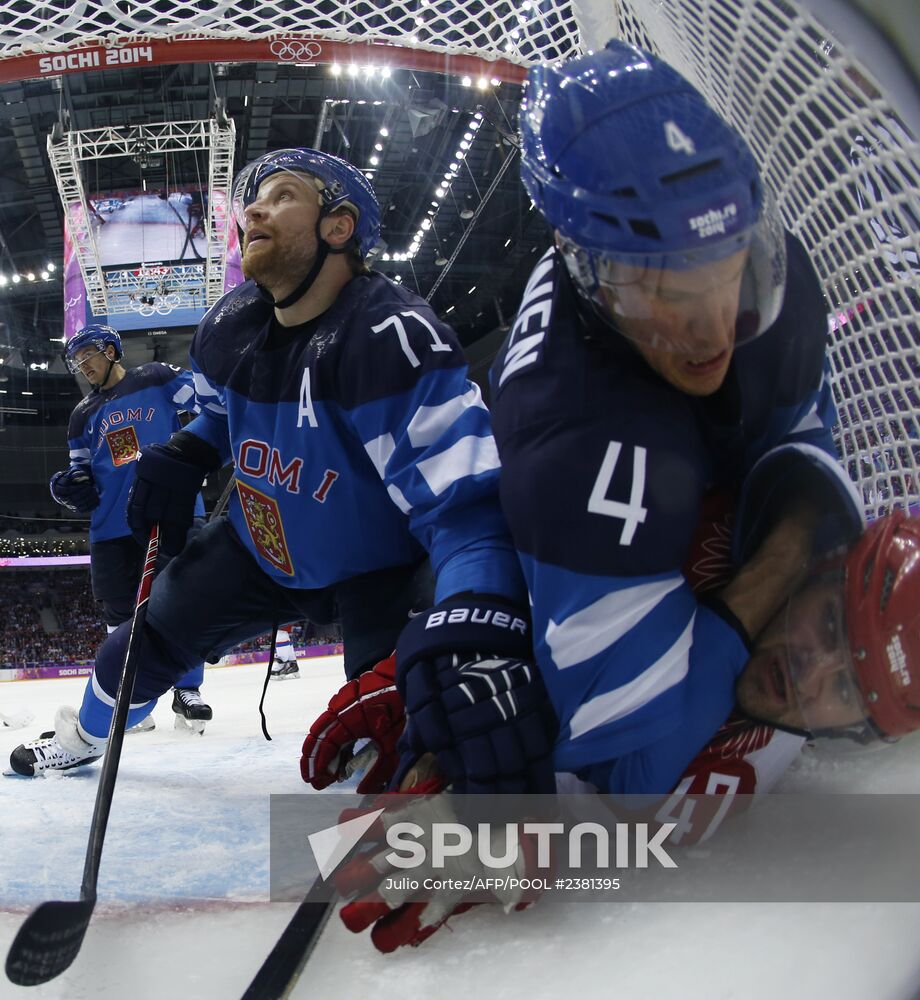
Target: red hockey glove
{"x": 398, "y": 919}
{"x": 368, "y": 707}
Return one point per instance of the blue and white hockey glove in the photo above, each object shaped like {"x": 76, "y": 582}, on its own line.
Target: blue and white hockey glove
{"x": 475, "y": 699}
{"x": 169, "y": 478}
{"x": 75, "y": 489}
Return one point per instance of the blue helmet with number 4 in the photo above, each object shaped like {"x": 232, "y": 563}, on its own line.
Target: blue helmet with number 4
{"x": 95, "y": 335}
{"x": 639, "y": 176}
{"x": 339, "y": 184}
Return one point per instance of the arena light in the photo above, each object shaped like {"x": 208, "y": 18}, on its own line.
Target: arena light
{"x": 385, "y": 132}
{"x": 335, "y": 69}
{"x": 466, "y": 82}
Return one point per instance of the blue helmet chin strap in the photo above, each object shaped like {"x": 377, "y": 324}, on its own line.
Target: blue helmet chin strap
{"x": 322, "y": 252}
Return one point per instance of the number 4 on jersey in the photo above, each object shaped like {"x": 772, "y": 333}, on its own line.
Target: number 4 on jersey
{"x": 632, "y": 513}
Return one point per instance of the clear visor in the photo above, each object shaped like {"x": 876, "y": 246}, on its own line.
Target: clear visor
{"x": 819, "y": 669}
{"x": 238, "y": 203}
{"x": 75, "y": 367}
{"x": 729, "y": 292}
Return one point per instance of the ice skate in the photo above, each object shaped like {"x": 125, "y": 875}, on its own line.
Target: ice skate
{"x": 285, "y": 671}
{"x": 66, "y": 747}
{"x": 191, "y": 712}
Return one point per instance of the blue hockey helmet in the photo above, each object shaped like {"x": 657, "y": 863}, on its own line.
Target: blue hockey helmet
{"x": 95, "y": 335}
{"x": 339, "y": 184}
{"x": 640, "y": 177}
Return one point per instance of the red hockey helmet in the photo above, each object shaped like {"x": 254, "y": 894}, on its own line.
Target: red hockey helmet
{"x": 883, "y": 621}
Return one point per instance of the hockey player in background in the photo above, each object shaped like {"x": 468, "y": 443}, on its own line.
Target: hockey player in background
{"x": 285, "y": 666}
{"x": 125, "y": 411}
{"x": 360, "y": 448}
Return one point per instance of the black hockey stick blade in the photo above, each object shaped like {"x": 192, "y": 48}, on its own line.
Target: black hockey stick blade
{"x": 281, "y": 970}
{"x": 48, "y": 942}
{"x": 52, "y": 935}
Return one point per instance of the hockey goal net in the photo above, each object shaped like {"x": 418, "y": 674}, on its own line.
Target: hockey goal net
{"x": 832, "y": 140}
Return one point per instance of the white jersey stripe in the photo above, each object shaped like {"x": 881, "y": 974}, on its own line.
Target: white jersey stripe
{"x": 399, "y": 498}
{"x": 184, "y": 395}
{"x": 107, "y": 699}
{"x": 207, "y": 394}
{"x": 667, "y": 671}
{"x": 429, "y": 423}
{"x": 80, "y": 456}
{"x": 598, "y": 626}
{"x": 469, "y": 456}
{"x": 380, "y": 449}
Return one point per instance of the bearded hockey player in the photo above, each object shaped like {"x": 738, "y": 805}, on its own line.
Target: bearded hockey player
{"x": 360, "y": 449}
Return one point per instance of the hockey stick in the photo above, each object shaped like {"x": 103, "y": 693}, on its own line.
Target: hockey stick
{"x": 281, "y": 969}
{"x": 51, "y": 937}
{"x": 224, "y": 498}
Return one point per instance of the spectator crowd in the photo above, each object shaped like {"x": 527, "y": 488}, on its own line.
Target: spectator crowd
{"x": 50, "y": 617}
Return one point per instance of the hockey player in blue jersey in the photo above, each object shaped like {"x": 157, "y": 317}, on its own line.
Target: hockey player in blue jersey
{"x": 671, "y": 344}
{"x": 125, "y": 411}
{"x": 360, "y": 447}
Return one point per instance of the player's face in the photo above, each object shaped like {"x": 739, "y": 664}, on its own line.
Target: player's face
{"x": 681, "y": 322}
{"x": 280, "y": 239}
{"x": 799, "y": 673}
{"x": 94, "y": 365}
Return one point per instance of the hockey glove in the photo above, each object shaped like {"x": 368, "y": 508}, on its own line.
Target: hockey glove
{"x": 365, "y": 708}
{"x": 380, "y": 897}
{"x": 475, "y": 699}
{"x": 74, "y": 489}
{"x": 169, "y": 478}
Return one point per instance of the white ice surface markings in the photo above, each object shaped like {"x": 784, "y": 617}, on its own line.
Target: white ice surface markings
{"x": 183, "y": 889}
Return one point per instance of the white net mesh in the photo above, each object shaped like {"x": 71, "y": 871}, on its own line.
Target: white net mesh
{"x": 522, "y": 31}
{"x": 845, "y": 169}
{"x": 847, "y": 175}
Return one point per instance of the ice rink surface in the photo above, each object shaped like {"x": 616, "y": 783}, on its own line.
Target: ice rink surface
{"x": 183, "y": 894}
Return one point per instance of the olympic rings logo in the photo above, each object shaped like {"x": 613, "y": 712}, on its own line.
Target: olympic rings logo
{"x": 295, "y": 50}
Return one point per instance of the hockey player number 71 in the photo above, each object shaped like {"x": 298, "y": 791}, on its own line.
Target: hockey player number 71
{"x": 632, "y": 513}
{"x": 436, "y": 343}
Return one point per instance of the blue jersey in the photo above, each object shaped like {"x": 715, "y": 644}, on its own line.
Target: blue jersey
{"x": 605, "y": 467}
{"x": 109, "y": 427}
{"x": 357, "y": 438}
